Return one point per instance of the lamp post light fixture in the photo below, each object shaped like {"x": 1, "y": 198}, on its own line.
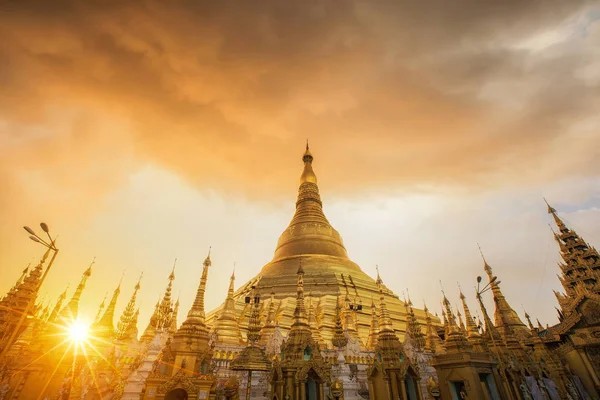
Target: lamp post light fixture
{"x": 50, "y": 244}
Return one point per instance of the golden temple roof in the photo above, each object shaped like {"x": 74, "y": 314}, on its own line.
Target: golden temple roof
{"x": 329, "y": 274}
{"x": 309, "y": 232}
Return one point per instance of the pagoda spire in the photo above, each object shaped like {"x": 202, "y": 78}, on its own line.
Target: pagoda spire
{"x": 196, "y": 313}
{"x": 320, "y": 237}
{"x": 490, "y": 332}
{"x": 528, "y": 318}
{"x": 101, "y": 309}
{"x": 581, "y": 262}
{"x": 71, "y": 310}
{"x": 173, "y": 326}
{"x": 470, "y": 325}
{"x": 312, "y": 322}
{"x": 193, "y": 329}
{"x": 414, "y": 328}
{"x": 166, "y": 305}
{"x": 13, "y": 306}
{"x": 433, "y": 343}
{"x": 374, "y": 328}
{"x": 471, "y": 328}
{"x": 58, "y": 305}
{"x": 105, "y": 326}
{"x": 270, "y": 323}
{"x": 339, "y": 339}
{"x": 128, "y": 322}
{"x": 389, "y": 349}
{"x": 227, "y": 327}
{"x": 559, "y": 223}
{"x": 16, "y": 286}
{"x": 300, "y": 318}
{"x": 505, "y": 317}
{"x": 150, "y": 330}
{"x": 455, "y": 339}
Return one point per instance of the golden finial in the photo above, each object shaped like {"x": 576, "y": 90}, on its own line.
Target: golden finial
{"x": 551, "y": 210}
{"x": 486, "y": 266}
{"x": 88, "y": 271}
{"x": 172, "y": 276}
{"x": 207, "y": 261}
{"x": 444, "y": 293}
{"x": 137, "y": 286}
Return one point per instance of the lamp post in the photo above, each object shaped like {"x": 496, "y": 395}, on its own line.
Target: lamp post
{"x": 50, "y": 245}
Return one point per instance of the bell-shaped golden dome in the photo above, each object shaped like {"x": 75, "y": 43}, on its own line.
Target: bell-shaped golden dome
{"x": 309, "y": 232}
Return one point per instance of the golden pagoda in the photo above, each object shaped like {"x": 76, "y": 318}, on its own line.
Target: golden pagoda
{"x": 329, "y": 272}
{"x": 226, "y": 327}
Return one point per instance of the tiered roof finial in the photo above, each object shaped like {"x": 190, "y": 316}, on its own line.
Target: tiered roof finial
{"x": 127, "y": 326}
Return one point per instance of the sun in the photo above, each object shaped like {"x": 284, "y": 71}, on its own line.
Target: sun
{"x": 78, "y": 331}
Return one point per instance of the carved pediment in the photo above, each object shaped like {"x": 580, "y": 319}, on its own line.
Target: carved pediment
{"x": 180, "y": 380}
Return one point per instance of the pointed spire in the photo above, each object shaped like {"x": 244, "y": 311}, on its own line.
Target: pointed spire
{"x": 461, "y": 324}
{"x": 300, "y": 318}
{"x": 173, "y": 326}
{"x": 561, "y": 225}
{"x": 505, "y": 317}
{"x": 127, "y": 326}
{"x": 528, "y": 318}
{"x": 195, "y": 323}
{"x": 227, "y": 327}
{"x": 269, "y": 327}
{"x": 471, "y": 326}
{"x": 312, "y": 322}
{"x": 433, "y": 343}
{"x": 58, "y": 305}
{"x": 455, "y": 339}
{"x": 100, "y": 309}
{"x": 166, "y": 305}
{"x": 339, "y": 340}
{"x": 197, "y": 310}
{"x": 579, "y": 257}
{"x": 105, "y": 327}
{"x": 413, "y": 327}
{"x": 71, "y": 310}
{"x": 374, "y": 328}
{"x": 385, "y": 322}
{"x": 324, "y": 240}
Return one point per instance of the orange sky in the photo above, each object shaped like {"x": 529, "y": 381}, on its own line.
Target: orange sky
{"x": 148, "y": 132}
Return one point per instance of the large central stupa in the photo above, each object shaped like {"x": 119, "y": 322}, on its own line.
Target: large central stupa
{"x": 330, "y": 277}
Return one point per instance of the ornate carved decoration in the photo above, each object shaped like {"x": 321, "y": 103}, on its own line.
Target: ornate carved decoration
{"x": 180, "y": 380}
